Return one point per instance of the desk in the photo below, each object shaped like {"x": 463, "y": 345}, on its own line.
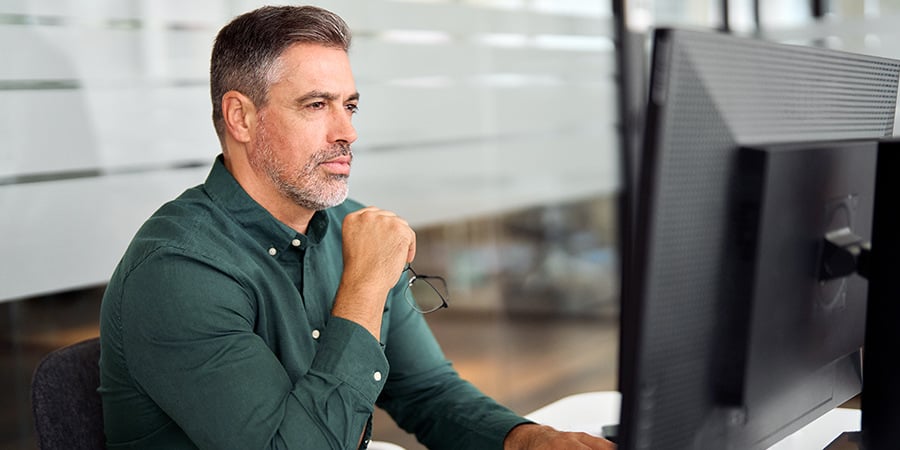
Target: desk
{"x": 588, "y": 412}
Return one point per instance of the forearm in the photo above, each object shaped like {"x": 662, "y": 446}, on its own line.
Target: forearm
{"x": 253, "y": 403}
{"x": 452, "y": 414}
{"x": 337, "y": 397}
{"x": 361, "y": 303}
{"x": 426, "y": 396}
{"x": 377, "y": 244}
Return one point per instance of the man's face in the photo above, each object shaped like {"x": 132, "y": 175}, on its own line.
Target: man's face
{"x": 302, "y": 142}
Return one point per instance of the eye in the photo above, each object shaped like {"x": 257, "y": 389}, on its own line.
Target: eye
{"x": 316, "y": 105}
{"x": 353, "y": 108}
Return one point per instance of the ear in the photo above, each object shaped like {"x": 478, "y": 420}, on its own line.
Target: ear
{"x": 240, "y": 116}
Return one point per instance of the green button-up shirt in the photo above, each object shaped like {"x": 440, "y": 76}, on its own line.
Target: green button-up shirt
{"x": 216, "y": 333}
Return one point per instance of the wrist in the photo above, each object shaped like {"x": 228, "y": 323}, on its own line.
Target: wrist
{"x": 520, "y": 436}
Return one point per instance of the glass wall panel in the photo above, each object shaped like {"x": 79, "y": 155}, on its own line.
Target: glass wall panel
{"x": 784, "y": 13}
{"x": 867, "y": 27}
{"x": 678, "y": 13}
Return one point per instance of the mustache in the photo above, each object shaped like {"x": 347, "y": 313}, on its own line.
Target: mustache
{"x": 336, "y": 150}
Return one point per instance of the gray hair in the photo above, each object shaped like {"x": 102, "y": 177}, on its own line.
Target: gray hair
{"x": 246, "y": 50}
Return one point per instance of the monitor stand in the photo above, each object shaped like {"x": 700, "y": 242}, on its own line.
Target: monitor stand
{"x": 845, "y": 254}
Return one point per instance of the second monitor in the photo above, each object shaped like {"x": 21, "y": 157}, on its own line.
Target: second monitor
{"x": 730, "y": 338}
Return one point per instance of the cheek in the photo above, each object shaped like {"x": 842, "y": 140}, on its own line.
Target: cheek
{"x": 295, "y": 142}
{"x": 288, "y": 145}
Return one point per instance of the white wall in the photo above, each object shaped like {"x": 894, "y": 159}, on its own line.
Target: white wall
{"x": 468, "y": 108}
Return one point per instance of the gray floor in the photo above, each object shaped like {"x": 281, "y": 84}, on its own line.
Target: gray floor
{"x": 524, "y": 361}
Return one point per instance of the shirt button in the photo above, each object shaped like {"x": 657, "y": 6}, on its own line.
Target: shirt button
{"x": 377, "y": 376}
{"x": 272, "y": 251}
{"x": 296, "y": 242}
{"x": 316, "y": 334}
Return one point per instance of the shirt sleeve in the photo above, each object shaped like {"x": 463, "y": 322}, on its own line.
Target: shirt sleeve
{"x": 189, "y": 341}
{"x": 427, "y": 397}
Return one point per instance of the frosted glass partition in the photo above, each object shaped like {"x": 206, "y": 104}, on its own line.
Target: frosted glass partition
{"x": 468, "y": 108}
{"x": 876, "y": 35}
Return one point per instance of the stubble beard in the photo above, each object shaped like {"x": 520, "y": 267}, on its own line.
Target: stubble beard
{"x": 306, "y": 186}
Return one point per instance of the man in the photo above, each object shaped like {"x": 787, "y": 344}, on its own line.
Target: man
{"x": 261, "y": 309}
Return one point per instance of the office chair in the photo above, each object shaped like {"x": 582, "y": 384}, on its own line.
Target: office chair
{"x": 67, "y": 409}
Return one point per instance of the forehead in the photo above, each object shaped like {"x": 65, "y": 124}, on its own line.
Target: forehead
{"x": 314, "y": 67}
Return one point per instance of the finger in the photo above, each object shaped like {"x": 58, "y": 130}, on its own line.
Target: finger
{"x": 598, "y": 443}
{"x": 411, "y": 251}
{"x": 378, "y": 211}
{"x": 412, "y": 247}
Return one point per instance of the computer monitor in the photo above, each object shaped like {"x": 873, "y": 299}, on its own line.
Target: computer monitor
{"x": 732, "y": 334}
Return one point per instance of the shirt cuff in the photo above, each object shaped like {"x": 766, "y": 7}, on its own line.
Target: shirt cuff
{"x": 349, "y": 352}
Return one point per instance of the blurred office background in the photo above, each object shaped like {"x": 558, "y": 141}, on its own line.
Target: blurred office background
{"x": 505, "y": 131}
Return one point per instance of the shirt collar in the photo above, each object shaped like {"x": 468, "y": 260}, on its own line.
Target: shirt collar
{"x": 270, "y": 232}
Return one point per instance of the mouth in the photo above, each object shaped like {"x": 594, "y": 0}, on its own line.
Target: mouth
{"x": 338, "y": 166}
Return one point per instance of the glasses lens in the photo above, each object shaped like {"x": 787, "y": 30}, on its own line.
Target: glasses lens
{"x": 427, "y": 294}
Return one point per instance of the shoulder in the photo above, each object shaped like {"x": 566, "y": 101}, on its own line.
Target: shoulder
{"x": 189, "y": 224}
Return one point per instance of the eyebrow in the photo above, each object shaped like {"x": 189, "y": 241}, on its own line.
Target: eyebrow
{"x": 330, "y": 96}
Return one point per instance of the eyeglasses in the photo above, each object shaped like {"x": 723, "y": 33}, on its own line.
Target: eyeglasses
{"x": 425, "y": 293}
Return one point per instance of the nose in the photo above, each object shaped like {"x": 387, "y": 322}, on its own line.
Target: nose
{"x": 342, "y": 129}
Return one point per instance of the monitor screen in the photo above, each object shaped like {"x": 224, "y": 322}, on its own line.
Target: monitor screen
{"x": 753, "y": 152}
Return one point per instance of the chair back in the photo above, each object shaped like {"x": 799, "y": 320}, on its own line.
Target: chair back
{"x": 68, "y": 412}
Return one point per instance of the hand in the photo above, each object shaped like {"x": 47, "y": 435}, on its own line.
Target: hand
{"x": 541, "y": 437}
{"x": 377, "y": 245}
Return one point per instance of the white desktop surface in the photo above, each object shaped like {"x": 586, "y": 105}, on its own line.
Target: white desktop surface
{"x": 381, "y": 445}
{"x": 588, "y": 412}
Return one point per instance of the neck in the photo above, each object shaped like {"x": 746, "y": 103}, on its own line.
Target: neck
{"x": 261, "y": 191}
